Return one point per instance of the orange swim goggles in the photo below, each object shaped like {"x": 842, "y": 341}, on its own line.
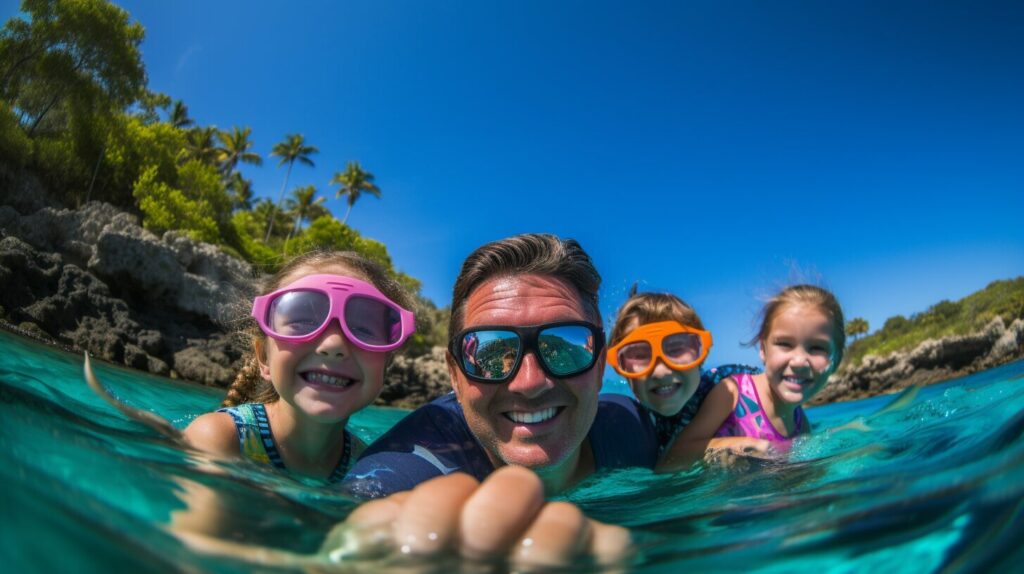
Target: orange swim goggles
{"x": 679, "y": 347}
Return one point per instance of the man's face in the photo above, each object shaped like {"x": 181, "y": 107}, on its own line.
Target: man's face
{"x": 562, "y": 409}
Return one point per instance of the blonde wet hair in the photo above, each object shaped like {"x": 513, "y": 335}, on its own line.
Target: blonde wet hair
{"x": 526, "y": 254}
{"x": 249, "y": 386}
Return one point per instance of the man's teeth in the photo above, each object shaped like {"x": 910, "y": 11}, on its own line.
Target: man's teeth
{"x": 325, "y": 379}
{"x": 532, "y": 418}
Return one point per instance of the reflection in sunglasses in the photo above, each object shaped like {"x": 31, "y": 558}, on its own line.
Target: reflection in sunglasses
{"x": 493, "y": 353}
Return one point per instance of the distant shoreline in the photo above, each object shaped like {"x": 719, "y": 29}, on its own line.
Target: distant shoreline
{"x": 416, "y": 381}
{"x": 932, "y": 361}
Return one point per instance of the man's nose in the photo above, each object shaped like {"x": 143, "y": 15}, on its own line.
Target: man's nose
{"x": 531, "y": 380}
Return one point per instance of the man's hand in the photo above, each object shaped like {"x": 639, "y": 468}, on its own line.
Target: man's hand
{"x": 503, "y": 517}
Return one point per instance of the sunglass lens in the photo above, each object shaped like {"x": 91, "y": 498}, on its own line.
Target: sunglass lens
{"x": 490, "y": 354}
{"x": 567, "y": 350}
{"x": 635, "y": 357}
{"x": 298, "y": 313}
{"x": 373, "y": 322}
{"x": 682, "y": 348}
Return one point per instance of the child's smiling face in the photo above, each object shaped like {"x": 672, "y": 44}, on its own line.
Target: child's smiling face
{"x": 664, "y": 390}
{"x": 328, "y": 378}
{"x": 797, "y": 353}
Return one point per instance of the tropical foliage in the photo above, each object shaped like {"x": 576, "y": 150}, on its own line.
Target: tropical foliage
{"x": 354, "y": 183}
{"x": 292, "y": 149}
{"x": 999, "y": 299}
{"x": 303, "y": 205}
{"x": 75, "y": 110}
{"x": 856, "y": 326}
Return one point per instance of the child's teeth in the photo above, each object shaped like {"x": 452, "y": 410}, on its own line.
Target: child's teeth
{"x": 664, "y": 389}
{"x": 325, "y": 379}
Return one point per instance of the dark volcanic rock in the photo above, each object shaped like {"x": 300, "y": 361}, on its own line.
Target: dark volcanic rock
{"x": 94, "y": 280}
{"x": 410, "y": 382}
{"x": 211, "y": 362}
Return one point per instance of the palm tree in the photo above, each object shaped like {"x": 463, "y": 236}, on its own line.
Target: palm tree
{"x": 857, "y": 326}
{"x": 292, "y": 149}
{"x": 354, "y": 182}
{"x": 302, "y": 205}
{"x": 264, "y": 210}
{"x": 200, "y": 144}
{"x": 241, "y": 188}
{"x": 179, "y": 116}
{"x": 235, "y": 148}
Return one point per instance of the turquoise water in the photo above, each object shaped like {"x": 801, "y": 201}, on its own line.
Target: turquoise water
{"x": 934, "y": 486}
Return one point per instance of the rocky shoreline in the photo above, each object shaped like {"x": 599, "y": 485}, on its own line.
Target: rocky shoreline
{"x": 932, "y": 361}
{"x": 92, "y": 279}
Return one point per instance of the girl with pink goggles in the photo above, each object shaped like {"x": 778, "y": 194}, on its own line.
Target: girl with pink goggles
{"x": 300, "y": 312}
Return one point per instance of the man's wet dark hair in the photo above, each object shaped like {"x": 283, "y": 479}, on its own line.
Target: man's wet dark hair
{"x": 527, "y": 254}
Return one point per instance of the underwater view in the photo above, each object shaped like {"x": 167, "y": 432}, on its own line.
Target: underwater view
{"x": 931, "y": 480}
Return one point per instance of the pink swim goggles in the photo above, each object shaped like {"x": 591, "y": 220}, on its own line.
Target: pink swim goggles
{"x": 299, "y": 312}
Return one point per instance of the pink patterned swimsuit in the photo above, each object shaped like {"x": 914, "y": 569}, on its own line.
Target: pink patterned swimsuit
{"x": 748, "y": 419}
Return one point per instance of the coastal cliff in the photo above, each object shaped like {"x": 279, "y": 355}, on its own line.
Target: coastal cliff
{"x": 931, "y": 361}
{"x": 92, "y": 279}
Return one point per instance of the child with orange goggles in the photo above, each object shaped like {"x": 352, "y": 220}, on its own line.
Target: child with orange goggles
{"x": 658, "y": 343}
{"x": 679, "y": 347}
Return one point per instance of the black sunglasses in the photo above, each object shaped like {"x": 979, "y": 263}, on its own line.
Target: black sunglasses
{"x": 493, "y": 353}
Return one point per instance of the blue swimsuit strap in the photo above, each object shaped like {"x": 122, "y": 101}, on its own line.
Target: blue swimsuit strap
{"x": 275, "y": 456}
{"x": 267, "y": 437}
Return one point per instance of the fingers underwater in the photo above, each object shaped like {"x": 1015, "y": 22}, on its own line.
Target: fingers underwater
{"x": 499, "y": 512}
{"x": 377, "y": 512}
{"x": 559, "y": 534}
{"x": 429, "y": 520}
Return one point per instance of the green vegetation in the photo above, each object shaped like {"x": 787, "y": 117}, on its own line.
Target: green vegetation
{"x": 857, "y": 326}
{"x": 76, "y": 111}
{"x": 292, "y": 149}
{"x": 1000, "y": 299}
{"x": 354, "y": 183}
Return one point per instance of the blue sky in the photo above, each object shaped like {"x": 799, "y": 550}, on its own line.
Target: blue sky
{"x": 717, "y": 149}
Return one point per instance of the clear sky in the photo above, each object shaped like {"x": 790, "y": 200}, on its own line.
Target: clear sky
{"x": 715, "y": 149}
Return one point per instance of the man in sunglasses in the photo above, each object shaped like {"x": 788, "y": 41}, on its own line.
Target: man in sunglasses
{"x": 526, "y": 361}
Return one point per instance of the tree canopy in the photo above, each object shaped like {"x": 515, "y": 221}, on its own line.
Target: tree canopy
{"x": 76, "y": 111}
{"x": 354, "y": 182}
{"x": 81, "y": 51}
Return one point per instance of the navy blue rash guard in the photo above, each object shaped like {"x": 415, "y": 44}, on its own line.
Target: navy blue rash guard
{"x": 434, "y": 440}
